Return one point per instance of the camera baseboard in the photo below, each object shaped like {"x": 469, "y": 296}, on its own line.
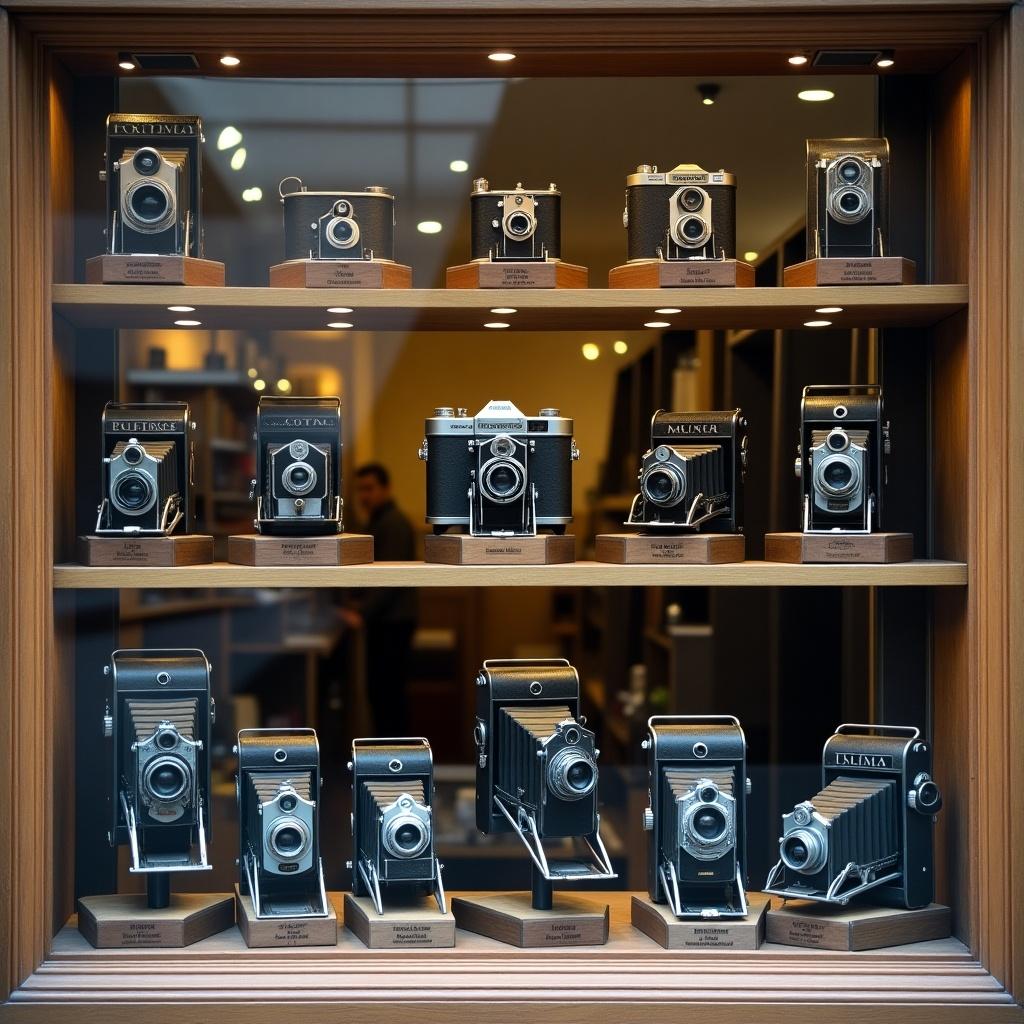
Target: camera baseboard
{"x": 184, "y": 549}
{"x": 831, "y": 271}
{"x": 744, "y": 933}
{"x": 340, "y": 274}
{"x": 669, "y": 548}
{"x": 143, "y": 269}
{"x": 682, "y": 274}
{"x": 838, "y": 547}
{"x": 510, "y": 917}
{"x": 525, "y": 274}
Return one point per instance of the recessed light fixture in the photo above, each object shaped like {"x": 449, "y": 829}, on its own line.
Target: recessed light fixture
{"x": 429, "y": 227}
{"x": 708, "y": 92}
{"x": 797, "y": 59}
{"x": 230, "y": 62}
{"x": 668, "y": 310}
{"x": 459, "y": 166}
{"x": 229, "y": 137}
{"x": 657, "y": 323}
{"x": 339, "y": 325}
{"x": 503, "y": 310}
{"x": 750, "y": 255}
{"x": 188, "y": 323}
{"x": 829, "y": 309}
{"x": 252, "y": 195}
{"x": 259, "y": 384}
{"x": 816, "y": 95}
{"x": 817, "y": 323}
{"x": 620, "y": 348}
{"x": 238, "y": 158}
{"x": 284, "y": 384}
{"x": 590, "y": 351}
{"x": 181, "y": 309}
{"x": 884, "y": 62}
{"x": 496, "y": 325}
{"x": 126, "y": 62}
{"x": 501, "y": 56}
{"x": 339, "y": 309}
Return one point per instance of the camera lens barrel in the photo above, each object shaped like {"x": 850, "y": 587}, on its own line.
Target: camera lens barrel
{"x": 572, "y": 774}
{"x": 288, "y": 838}
{"x": 803, "y": 851}
{"x": 406, "y": 836}
{"x": 663, "y": 484}
{"x": 298, "y": 478}
{"x": 166, "y": 779}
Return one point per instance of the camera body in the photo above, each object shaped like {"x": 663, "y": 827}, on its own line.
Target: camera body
{"x": 152, "y": 174}
{"x": 686, "y": 213}
{"x": 392, "y": 820}
{"x": 499, "y": 473}
{"x": 298, "y": 466}
{"x": 515, "y": 224}
{"x": 696, "y": 822}
{"x": 278, "y": 790}
{"x": 147, "y": 469}
{"x": 869, "y": 830}
{"x": 841, "y": 458}
{"x": 338, "y": 225}
{"x": 691, "y": 478}
{"x": 847, "y": 198}
{"x": 159, "y": 717}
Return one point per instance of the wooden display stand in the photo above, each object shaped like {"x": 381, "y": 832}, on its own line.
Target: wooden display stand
{"x": 263, "y": 932}
{"x": 671, "y": 932}
{"x": 659, "y": 548}
{"x": 340, "y": 274}
{"x": 183, "y": 549}
{"x": 682, "y": 274}
{"x": 871, "y": 270}
{"x": 847, "y": 929}
{"x": 333, "y": 549}
{"x": 126, "y": 269}
{"x": 511, "y": 274}
{"x": 460, "y": 549}
{"x": 838, "y": 547}
{"x": 510, "y": 917}
{"x": 123, "y": 921}
{"x": 417, "y": 924}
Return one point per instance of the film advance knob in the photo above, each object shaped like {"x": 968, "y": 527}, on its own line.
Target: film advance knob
{"x": 925, "y": 797}
{"x": 648, "y": 819}
{"x": 108, "y": 725}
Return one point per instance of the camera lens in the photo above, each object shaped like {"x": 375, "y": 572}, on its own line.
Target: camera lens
{"x": 149, "y": 204}
{"x": 850, "y": 202}
{"x": 796, "y": 850}
{"x": 133, "y": 493}
{"x": 166, "y": 779}
{"x": 342, "y": 208}
{"x": 287, "y": 841}
{"x": 849, "y": 171}
{"x": 342, "y": 232}
{"x": 838, "y": 440}
{"x": 167, "y": 740}
{"x": 502, "y": 480}
{"x": 298, "y": 478}
{"x": 406, "y": 836}
{"x": 837, "y": 475}
{"x": 146, "y": 161}
{"x": 803, "y": 851}
{"x": 708, "y": 824}
{"x": 287, "y": 803}
{"x": 132, "y": 454}
{"x": 693, "y": 229}
{"x": 519, "y": 225}
{"x": 708, "y": 794}
{"x": 663, "y": 484}
{"x": 288, "y": 838}
{"x": 580, "y": 776}
{"x": 572, "y": 774}
{"x": 691, "y": 199}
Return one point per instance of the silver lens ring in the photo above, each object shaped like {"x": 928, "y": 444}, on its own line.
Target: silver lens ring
{"x": 502, "y": 496}
{"x": 823, "y": 484}
{"x": 140, "y": 189}
{"x": 675, "y": 477}
{"x": 172, "y": 785}
{"x": 289, "y": 483}
{"x": 722, "y": 823}
{"x": 691, "y": 240}
{"x": 281, "y": 838}
{"x": 518, "y": 224}
{"x": 349, "y": 232}
{"x": 124, "y": 480}
{"x": 849, "y": 204}
{"x": 803, "y": 851}
{"x": 406, "y": 836}
{"x": 503, "y": 446}
{"x": 566, "y": 766}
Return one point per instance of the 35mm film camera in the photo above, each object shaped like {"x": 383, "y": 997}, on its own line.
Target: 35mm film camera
{"x": 499, "y": 473}
{"x": 298, "y": 465}
{"x": 841, "y": 458}
{"x": 692, "y": 475}
{"x": 697, "y": 771}
{"x": 338, "y": 225}
{"x": 516, "y": 224}
{"x": 686, "y": 213}
{"x": 147, "y": 469}
{"x": 159, "y": 716}
{"x": 152, "y": 173}
{"x": 278, "y": 789}
{"x": 869, "y": 829}
{"x": 392, "y": 820}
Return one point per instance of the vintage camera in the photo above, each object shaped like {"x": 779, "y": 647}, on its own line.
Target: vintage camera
{"x": 537, "y": 765}
{"x": 683, "y": 214}
{"x": 499, "y": 473}
{"x": 278, "y": 788}
{"x": 159, "y": 716}
{"x": 147, "y": 469}
{"x": 298, "y": 465}
{"x": 692, "y": 475}
{"x": 515, "y": 224}
{"x": 392, "y": 820}
{"x": 869, "y": 830}
{"x": 697, "y": 819}
{"x": 847, "y": 198}
{"x": 840, "y": 459}
{"x": 338, "y": 225}
{"x": 152, "y": 175}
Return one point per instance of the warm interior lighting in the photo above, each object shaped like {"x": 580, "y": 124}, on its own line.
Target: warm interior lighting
{"x": 817, "y": 323}
{"x": 259, "y": 384}
{"x": 252, "y": 195}
{"x": 503, "y": 310}
{"x": 657, "y": 323}
{"x": 501, "y": 56}
{"x": 884, "y": 62}
{"x": 188, "y": 323}
{"x": 620, "y": 348}
{"x": 496, "y": 325}
{"x": 797, "y": 59}
{"x": 750, "y": 255}
{"x": 181, "y": 309}
{"x": 229, "y": 137}
{"x": 284, "y": 384}
{"x": 125, "y": 62}
{"x": 590, "y": 350}
{"x": 429, "y": 227}
{"x": 238, "y": 159}
{"x": 458, "y": 166}
{"x": 230, "y": 62}
{"x": 816, "y": 95}
{"x": 252, "y": 372}
{"x": 339, "y": 309}
{"x": 668, "y": 310}
{"x": 708, "y": 92}
{"x": 829, "y": 309}
{"x": 339, "y": 325}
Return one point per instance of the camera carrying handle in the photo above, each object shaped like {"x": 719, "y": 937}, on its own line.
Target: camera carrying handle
{"x": 857, "y": 729}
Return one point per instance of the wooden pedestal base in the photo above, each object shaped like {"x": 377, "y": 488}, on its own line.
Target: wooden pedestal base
{"x": 335, "y": 549}
{"x": 141, "y": 269}
{"x": 803, "y": 923}
{"x": 400, "y": 927}
{"x": 263, "y": 932}
{"x": 659, "y": 548}
{"x": 488, "y": 274}
{"x": 657, "y": 921}
{"x": 682, "y": 274}
{"x": 838, "y": 547}
{"x": 871, "y": 270}
{"x": 509, "y": 917}
{"x": 186, "y": 549}
{"x": 340, "y": 274}
{"x": 119, "y": 921}
{"x": 460, "y": 549}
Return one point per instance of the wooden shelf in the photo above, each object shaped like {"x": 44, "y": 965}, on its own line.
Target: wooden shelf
{"x": 439, "y": 309}
{"x": 580, "y": 574}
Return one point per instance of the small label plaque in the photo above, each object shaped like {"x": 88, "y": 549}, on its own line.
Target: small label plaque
{"x": 458, "y": 549}
{"x": 410, "y": 925}
{"x": 526, "y": 274}
{"x": 186, "y": 549}
{"x": 841, "y": 270}
{"x": 669, "y": 931}
{"x": 821, "y": 926}
{"x": 335, "y": 549}
{"x": 125, "y": 921}
{"x": 840, "y": 548}
{"x": 340, "y": 274}
{"x": 662, "y": 548}
{"x": 682, "y": 274}
{"x": 143, "y": 269}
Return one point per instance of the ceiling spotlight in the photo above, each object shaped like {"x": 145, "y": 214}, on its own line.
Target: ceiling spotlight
{"x": 501, "y": 56}
{"x": 126, "y": 62}
{"x": 496, "y": 325}
{"x": 657, "y": 323}
{"x": 230, "y": 62}
{"x": 829, "y": 309}
{"x": 238, "y": 159}
{"x": 229, "y": 137}
{"x": 797, "y": 59}
{"x": 816, "y": 95}
{"x": 885, "y": 61}
{"x": 817, "y": 323}
{"x": 181, "y": 309}
{"x": 429, "y": 227}
{"x": 590, "y": 351}
{"x": 668, "y": 310}
{"x": 252, "y": 372}
{"x": 339, "y": 309}
{"x": 750, "y": 255}
{"x": 284, "y": 384}
{"x": 458, "y": 166}
{"x": 339, "y": 326}
{"x": 620, "y": 348}
{"x": 259, "y": 384}
{"x": 188, "y": 323}
{"x": 708, "y": 92}
{"x": 252, "y": 195}
{"x": 503, "y": 310}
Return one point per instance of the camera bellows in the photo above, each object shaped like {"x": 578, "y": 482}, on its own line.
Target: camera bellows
{"x": 267, "y": 785}
{"x": 146, "y": 715}
{"x": 524, "y": 731}
{"x": 682, "y": 781}
{"x": 377, "y": 796}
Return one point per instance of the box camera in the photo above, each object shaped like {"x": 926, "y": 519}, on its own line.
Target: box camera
{"x": 152, "y": 175}
{"x": 683, "y": 214}
{"x": 697, "y": 769}
{"x": 338, "y": 225}
{"x": 537, "y": 763}
{"x": 840, "y": 459}
{"x": 847, "y": 198}
{"x": 298, "y": 466}
{"x": 692, "y": 475}
{"x": 515, "y": 224}
{"x": 159, "y": 716}
{"x": 869, "y": 829}
{"x": 147, "y": 469}
{"x": 499, "y": 473}
{"x": 392, "y": 820}
{"x": 278, "y": 788}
